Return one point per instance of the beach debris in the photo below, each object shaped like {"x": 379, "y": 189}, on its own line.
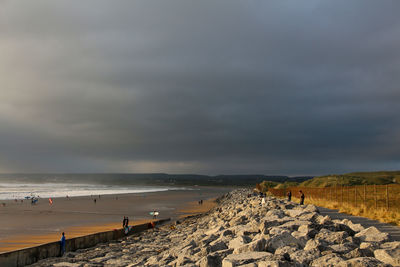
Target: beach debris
{"x": 154, "y": 214}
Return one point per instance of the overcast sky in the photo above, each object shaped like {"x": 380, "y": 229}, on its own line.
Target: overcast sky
{"x": 210, "y": 87}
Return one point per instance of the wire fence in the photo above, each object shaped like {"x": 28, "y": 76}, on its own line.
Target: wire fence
{"x": 370, "y": 196}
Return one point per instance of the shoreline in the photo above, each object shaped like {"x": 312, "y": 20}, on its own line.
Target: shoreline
{"x": 176, "y": 204}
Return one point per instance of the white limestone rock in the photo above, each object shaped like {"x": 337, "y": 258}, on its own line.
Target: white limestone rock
{"x": 304, "y": 257}
{"x": 239, "y": 241}
{"x": 372, "y": 234}
{"x": 330, "y": 260}
{"x": 316, "y": 244}
{"x": 332, "y": 237}
{"x": 217, "y": 245}
{"x": 355, "y": 227}
{"x": 286, "y": 239}
{"x": 274, "y": 263}
{"x": 256, "y": 245}
{"x": 67, "y": 264}
{"x": 389, "y": 253}
{"x": 362, "y": 262}
{"x": 245, "y": 258}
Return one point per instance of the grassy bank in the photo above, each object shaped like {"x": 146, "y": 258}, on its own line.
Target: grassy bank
{"x": 382, "y": 215}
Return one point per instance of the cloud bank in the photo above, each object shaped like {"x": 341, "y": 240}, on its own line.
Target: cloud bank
{"x": 211, "y": 87}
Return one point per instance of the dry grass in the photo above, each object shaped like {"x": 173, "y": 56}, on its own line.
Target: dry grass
{"x": 382, "y": 215}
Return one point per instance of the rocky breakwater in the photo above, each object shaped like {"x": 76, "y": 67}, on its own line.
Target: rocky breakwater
{"x": 239, "y": 231}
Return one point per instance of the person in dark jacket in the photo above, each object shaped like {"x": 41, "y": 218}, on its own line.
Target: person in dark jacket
{"x": 62, "y": 244}
{"x": 124, "y": 222}
{"x": 289, "y": 196}
{"x": 301, "y": 197}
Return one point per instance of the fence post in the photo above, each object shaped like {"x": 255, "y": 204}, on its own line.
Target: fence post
{"x": 341, "y": 196}
{"x": 355, "y": 196}
{"x": 365, "y": 195}
{"x": 348, "y": 195}
{"x": 387, "y": 197}
{"x": 376, "y": 197}
{"x": 336, "y": 192}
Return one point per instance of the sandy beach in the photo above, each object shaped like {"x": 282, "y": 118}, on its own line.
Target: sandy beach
{"x": 24, "y": 225}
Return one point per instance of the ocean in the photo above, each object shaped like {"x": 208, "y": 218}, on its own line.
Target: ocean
{"x": 14, "y": 186}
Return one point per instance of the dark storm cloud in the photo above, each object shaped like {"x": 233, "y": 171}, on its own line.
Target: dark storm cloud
{"x": 208, "y": 87}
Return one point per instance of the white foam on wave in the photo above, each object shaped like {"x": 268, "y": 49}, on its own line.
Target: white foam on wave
{"x": 46, "y": 190}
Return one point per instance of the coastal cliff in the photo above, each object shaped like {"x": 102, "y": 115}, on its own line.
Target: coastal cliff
{"x": 240, "y": 231}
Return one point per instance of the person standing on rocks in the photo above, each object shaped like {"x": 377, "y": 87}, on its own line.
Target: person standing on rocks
{"x": 289, "y": 196}
{"x": 62, "y": 244}
{"x": 301, "y": 197}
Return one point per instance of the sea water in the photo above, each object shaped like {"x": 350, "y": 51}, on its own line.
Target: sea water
{"x": 49, "y": 190}
{"x": 51, "y": 186}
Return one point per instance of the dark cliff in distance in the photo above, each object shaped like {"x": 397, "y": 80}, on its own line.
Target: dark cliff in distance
{"x": 150, "y": 179}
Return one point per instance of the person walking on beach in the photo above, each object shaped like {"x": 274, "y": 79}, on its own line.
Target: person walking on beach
{"x": 62, "y": 244}
{"x": 289, "y": 196}
{"x": 301, "y": 197}
{"x": 127, "y": 222}
{"x": 124, "y": 222}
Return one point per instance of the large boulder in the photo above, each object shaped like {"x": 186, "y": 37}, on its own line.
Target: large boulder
{"x": 304, "y": 257}
{"x": 245, "y": 258}
{"x": 217, "y": 245}
{"x": 332, "y": 237}
{"x": 285, "y": 239}
{"x": 239, "y": 230}
{"x": 362, "y": 262}
{"x": 309, "y": 216}
{"x": 311, "y": 208}
{"x": 239, "y": 241}
{"x": 215, "y": 230}
{"x": 274, "y": 263}
{"x": 359, "y": 253}
{"x": 294, "y": 225}
{"x": 67, "y": 264}
{"x": 278, "y": 230}
{"x": 295, "y": 212}
{"x": 389, "y": 253}
{"x": 239, "y": 220}
{"x": 285, "y": 251}
{"x": 343, "y": 248}
{"x": 256, "y": 245}
{"x": 355, "y": 227}
{"x": 342, "y": 227}
{"x": 311, "y": 232}
{"x": 214, "y": 259}
{"x": 372, "y": 234}
{"x": 266, "y": 224}
{"x": 303, "y": 237}
{"x": 274, "y": 214}
{"x": 329, "y": 260}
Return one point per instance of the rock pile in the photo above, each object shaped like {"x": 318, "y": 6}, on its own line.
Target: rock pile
{"x": 239, "y": 231}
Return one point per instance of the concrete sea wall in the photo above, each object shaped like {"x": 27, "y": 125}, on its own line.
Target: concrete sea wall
{"x": 31, "y": 255}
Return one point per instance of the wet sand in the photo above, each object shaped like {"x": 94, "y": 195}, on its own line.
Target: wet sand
{"x": 25, "y": 225}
